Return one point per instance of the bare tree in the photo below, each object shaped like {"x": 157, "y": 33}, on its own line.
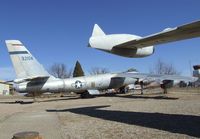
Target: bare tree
{"x": 60, "y": 71}
{"x": 161, "y": 67}
{"x": 98, "y": 70}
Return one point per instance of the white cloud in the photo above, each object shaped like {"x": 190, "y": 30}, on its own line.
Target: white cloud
{"x": 7, "y": 73}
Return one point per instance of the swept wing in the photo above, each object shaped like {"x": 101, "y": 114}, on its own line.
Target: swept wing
{"x": 160, "y": 78}
{"x": 187, "y": 31}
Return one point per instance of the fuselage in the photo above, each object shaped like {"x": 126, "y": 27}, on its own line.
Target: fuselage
{"x": 107, "y": 43}
{"x": 78, "y": 84}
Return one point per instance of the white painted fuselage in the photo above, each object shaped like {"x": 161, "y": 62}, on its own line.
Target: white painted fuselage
{"x": 107, "y": 42}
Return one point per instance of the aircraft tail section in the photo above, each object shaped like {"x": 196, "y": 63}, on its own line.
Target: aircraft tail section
{"x": 24, "y": 63}
{"x": 97, "y": 31}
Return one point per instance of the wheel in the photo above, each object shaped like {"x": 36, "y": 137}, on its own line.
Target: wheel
{"x": 86, "y": 95}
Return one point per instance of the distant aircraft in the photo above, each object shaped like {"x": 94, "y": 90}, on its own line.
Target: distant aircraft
{"x": 134, "y": 46}
{"x": 33, "y": 78}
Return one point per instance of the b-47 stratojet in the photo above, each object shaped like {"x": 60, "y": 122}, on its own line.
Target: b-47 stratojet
{"x": 31, "y": 76}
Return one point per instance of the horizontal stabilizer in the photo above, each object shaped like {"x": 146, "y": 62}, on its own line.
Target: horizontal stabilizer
{"x": 6, "y": 82}
{"x": 32, "y": 79}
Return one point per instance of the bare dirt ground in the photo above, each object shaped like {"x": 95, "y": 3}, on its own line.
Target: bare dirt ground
{"x": 152, "y": 115}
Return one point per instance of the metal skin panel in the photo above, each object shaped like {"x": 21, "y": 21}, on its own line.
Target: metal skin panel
{"x": 79, "y": 84}
{"x": 107, "y": 43}
{"x": 55, "y": 85}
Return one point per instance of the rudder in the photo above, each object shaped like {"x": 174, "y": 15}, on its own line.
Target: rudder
{"x": 97, "y": 31}
{"x": 24, "y": 63}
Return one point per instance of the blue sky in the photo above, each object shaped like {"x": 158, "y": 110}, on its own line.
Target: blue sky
{"x": 57, "y": 31}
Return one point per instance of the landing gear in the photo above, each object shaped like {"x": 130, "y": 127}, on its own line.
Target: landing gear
{"x": 142, "y": 87}
{"x": 165, "y": 90}
{"x": 86, "y": 95}
{"x": 34, "y": 97}
{"x": 35, "y": 94}
{"x": 123, "y": 90}
{"x": 163, "y": 86}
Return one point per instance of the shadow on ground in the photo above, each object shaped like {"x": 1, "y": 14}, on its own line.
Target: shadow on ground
{"x": 17, "y": 102}
{"x": 133, "y": 96}
{"x": 60, "y": 99}
{"x": 174, "y": 123}
{"x": 149, "y": 97}
{"x": 39, "y": 100}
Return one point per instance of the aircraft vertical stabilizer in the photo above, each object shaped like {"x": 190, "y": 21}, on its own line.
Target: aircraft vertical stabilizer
{"x": 97, "y": 31}
{"x": 24, "y": 63}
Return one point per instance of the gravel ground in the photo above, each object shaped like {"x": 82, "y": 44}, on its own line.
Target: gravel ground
{"x": 152, "y": 115}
